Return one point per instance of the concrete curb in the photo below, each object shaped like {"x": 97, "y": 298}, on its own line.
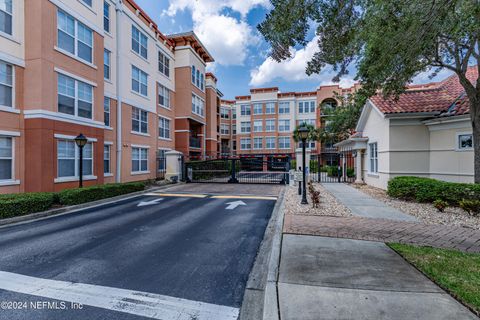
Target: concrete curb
{"x": 260, "y": 300}
{"x": 71, "y": 209}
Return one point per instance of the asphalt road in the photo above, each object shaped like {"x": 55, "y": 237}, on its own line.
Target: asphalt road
{"x": 173, "y": 257}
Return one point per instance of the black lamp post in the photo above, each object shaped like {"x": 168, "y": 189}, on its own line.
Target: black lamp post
{"x": 81, "y": 141}
{"x": 303, "y": 135}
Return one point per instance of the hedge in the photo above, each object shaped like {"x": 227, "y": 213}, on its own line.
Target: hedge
{"x": 429, "y": 190}
{"x": 12, "y": 205}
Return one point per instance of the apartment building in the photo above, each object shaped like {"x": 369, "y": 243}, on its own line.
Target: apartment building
{"x": 265, "y": 119}
{"x": 101, "y": 68}
{"x": 228, "y": 128}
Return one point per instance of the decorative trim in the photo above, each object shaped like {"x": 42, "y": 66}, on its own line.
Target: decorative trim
{"x": 108, "y": 143}
{"x": 68, "y": 54}
{"x": 4, "y": 183}
{"x": 56, "y": 116}
{"x": 140, "y": 146}
{"x": 140, "y": 134}
{"x": 73, "y": 179}
{"x": 137, "y": 173}
{"x": 9, "y": 109}
{"x": 9, "y": 133}
{"x": 11, "y": 59}
{"x": 68, "y": 137}
{"x": 71, "y": 75}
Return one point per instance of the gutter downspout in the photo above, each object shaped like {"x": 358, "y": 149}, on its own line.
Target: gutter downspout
{"x": 119, "y": 14}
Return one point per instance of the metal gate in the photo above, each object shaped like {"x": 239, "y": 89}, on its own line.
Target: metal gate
{"x": 332, "y": 167}
{"x": 238, "y": 170}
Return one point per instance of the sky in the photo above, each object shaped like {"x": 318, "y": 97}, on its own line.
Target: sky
{"x": 228, "y": 29}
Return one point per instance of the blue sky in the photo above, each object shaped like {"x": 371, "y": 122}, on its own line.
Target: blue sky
{"x": 228, "y": 30}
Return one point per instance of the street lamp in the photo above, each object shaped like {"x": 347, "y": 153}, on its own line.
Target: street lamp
{"x": 81, "y": 141}
{"x": 303, "y": 135}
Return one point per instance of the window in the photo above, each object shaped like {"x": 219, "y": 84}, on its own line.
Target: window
{"x": 164, "y": 128}
{"x": 162, "y": 160}
{"x": 465, "y": 141}
{"x": 306, "y": 106}
{"x": 139, "y": 42}
{"x": 139, "y": 120}
{"x": 373, "y": 155}
{"x": 245, "y": 110}
{"x": 106, "y": 111}
{"x": 270, "y": 125}
{"x": 74, "y": 37}
{"x": 68, "y": 155}
{"x": 106, "y": 64}
{"x": 163, "y": 96}
{"x": 224, "y": 129}
{"x": 257, "y": 126}
{"x": 257, "y": 108}
{"x": 270, "y": 142}
{"x": 6, "y": 16}
{"x": 245, "y": 144}
{"x": 311, "y": 122}
{"x": 106, "y": 159}
{"x": 284, "y": 107}
{"x": 284, "y": 125}
{"x": 234, "y": 129}
{"x": 202, "y": 82}
{"x": 284, "y": 142}
{"x": 245, "y": 127}
{"x": 270, "y": 108}
{"x": 224, "y": 113}
{"x": 163, "y": 64}
{"x": 139, "y": 159}
{"x": 234, "y": 144}
{"x": 234, "y": 114}
{"x": 194, "y": 74}
{"x": 87, "y": 2}
{"x": 74, "y": 97}
{"x": 257, "y": 143}
{"x": 106, "y": 16}
{"x": 139, "y": 81}
{"x": 197, "y": 105}
{"x": 310, "y": 144}
{"x": 197, "y": 79}
{"x": 6, "y": 85}
{"x": 6, "y": 158}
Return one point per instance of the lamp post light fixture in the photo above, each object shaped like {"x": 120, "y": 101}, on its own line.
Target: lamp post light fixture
{"x": 303, "y": 135}
{"x": 81, "y": 141}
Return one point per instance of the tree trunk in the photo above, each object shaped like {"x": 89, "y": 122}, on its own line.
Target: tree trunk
{"x": 475, "y": 105}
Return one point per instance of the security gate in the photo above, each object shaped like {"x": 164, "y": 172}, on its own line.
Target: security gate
{"x": 238, "y": 170}
{"x": 332, "y": 167}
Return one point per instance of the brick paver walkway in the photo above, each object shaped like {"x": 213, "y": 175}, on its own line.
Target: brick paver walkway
{"x": 384, "y": 230}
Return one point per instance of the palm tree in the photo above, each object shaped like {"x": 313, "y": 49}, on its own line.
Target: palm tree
{"x": 313, "y": 133}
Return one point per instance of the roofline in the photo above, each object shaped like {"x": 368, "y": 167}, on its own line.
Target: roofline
{"x": 194, "y": 35}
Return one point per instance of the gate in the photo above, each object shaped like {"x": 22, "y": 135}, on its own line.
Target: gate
{"x": 238, "y": 170}
{"x": 333, "y": 167}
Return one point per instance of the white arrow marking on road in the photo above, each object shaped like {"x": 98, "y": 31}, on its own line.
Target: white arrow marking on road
{"x": 149, "y": 203}
{"x": 233, "y": 205}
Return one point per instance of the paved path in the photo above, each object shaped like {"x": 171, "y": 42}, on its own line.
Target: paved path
{"x": 327, "y": 278}
{"x": 362, "y": 205}
{"x": 385, "y": 230}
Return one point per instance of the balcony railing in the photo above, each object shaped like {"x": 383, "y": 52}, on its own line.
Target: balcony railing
{"x": 195, "y": 142}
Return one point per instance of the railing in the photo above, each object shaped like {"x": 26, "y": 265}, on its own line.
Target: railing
{"x": 195, "y": 142}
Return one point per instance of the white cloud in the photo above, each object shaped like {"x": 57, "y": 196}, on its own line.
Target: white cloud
{"x": 226, "y": 37}
{"x": 424, "y": 77}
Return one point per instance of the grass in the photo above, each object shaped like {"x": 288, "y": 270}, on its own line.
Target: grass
{"x": 455, "y": 271}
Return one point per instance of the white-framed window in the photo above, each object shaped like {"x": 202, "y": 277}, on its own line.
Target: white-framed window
{"x": 194, "y": 74}
{"x": 106, "y": 111}
{"x": 161, "y": 160}
{"x": 6, "y": 84}
{"x": 306, "y": 106}
{"x": 107, "y": 167}
{"x": 139, "y": 42}
{"x": 257, "y": 126}
{"x": 245, "y": 127}
{"x": 139, "y": 120}
{"x": 245, "y": 110}
{"x": 68, "y": 155}
{"x": 6, "y": 158}
{"x": 464, "y": 141}
{"x": 309, "y": 145}
{"x": 234, "y": 113}
{"x": 284, "y": 125}
{"x": 74, "y": 37}
{"x": 163, "y": 64}
{"x": 198, "y": 78}
{"x": 202, "y": 82}
{"x": 106, "y": 16}
{"x": 270, "y": 125}
{"x": 139, "y": 81}
{"x": 284, "y": 142}
{"x": 257, "y": 143}
{"x": 198, "y": 105}
{"x": 163, "y": 128}
{"x": 224, "y": 113}
{"x": 224, "y": 129}
{"x": 74, "y": 97}
{"x": 373, "y": 157}
{"x": 164, "y": 96}
{"x": 257, "y": 108}
{"x": 284, "y": 107}
{"x": 270, "y": 142}
{"x": 87, "y": 2}
{"x": 234, "y": 129}
{"x": 311, "y": 122}
{"x": 270, "y": 108}
{"x": 6, "y": 16}
{"x": 139, "y": 160}
{"x": 106, "y": 64}
{"x": 245, "y": 144}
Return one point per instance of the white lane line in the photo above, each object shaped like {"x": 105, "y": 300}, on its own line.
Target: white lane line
{"x": 134, "y": 302}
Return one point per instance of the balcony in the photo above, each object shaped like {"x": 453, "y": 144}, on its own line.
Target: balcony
{"x": 195, "y": 142}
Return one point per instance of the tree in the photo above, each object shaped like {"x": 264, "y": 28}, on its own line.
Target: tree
{"x": 389, "y": 42}
{"x": 312, "y": 132}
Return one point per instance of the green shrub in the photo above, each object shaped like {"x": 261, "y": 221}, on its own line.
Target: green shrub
{"x": 313, "y": 166}
{"x": 471, "y": 206}
{"x": 77, "y": 196}
{"x": 429, "y": 190}
{"x": 12, "y": 205}
{"x": 293, "y": 164}
{"x": 440, "y": 205}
